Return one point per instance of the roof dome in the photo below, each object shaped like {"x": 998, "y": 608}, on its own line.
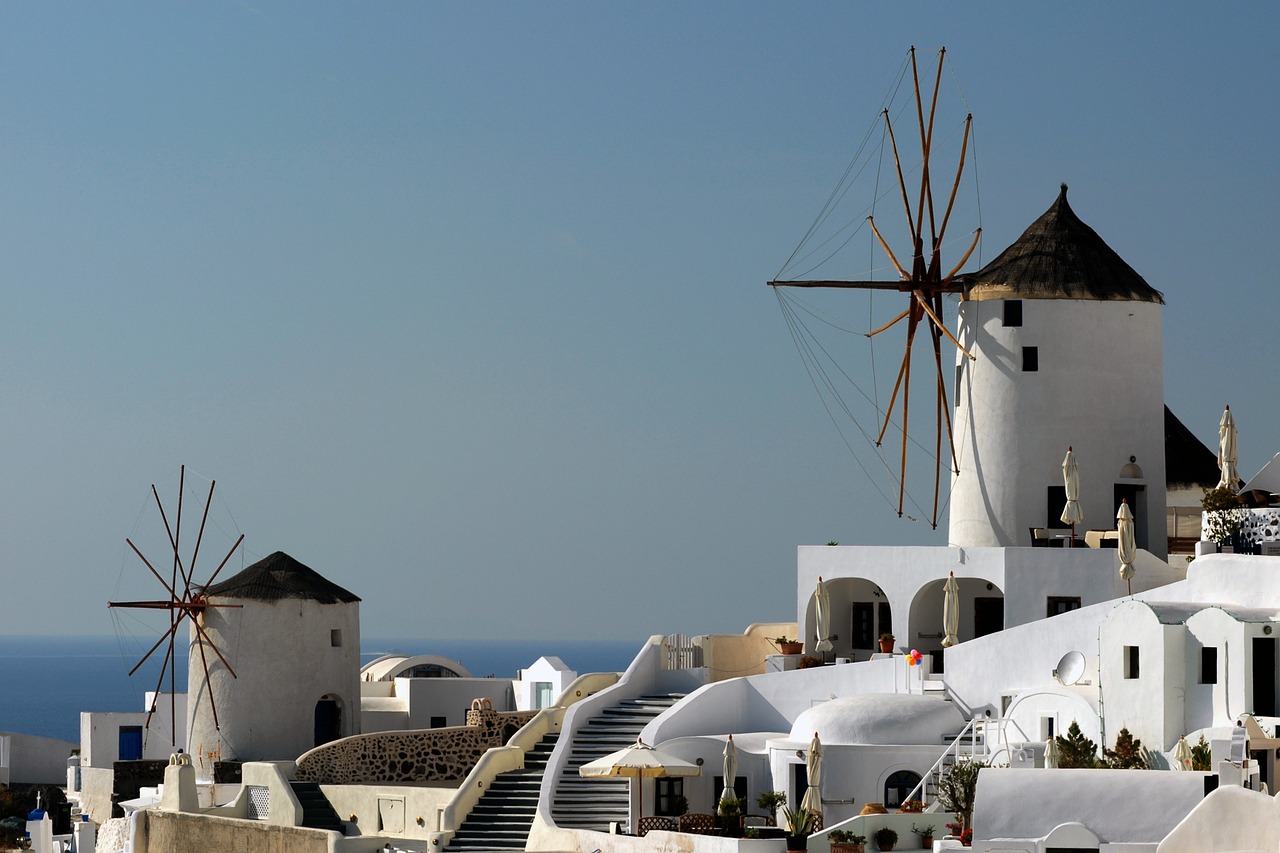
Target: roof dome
{"x": 889, "y": 718}
{"x": 280, "y": 577}
{"x": 1060, "y": 257}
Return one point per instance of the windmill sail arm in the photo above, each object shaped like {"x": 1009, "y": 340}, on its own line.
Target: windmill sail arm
{"x": 924, "y": 303}
{"x": 889, "y": 324}
{"x": 855, "y": 285}
{"x": 892, "y": 258}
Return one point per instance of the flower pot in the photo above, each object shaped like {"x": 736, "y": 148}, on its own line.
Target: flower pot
{"x": 791, "y": 648}
{"x": 874, "y": 808}
{"x": 847, "y": 847}
{"x": 886, "y": 646}
{"x": 926, "y": 841}
{"x": 797, "y": 843}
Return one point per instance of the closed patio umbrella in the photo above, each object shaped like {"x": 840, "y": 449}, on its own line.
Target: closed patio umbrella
{"x": 638, "y": 761}
{"x": 730, "y": 770}
{"x": 1182, "y": 755}
{"x": 1127, "y": 549}
{"x": 812, "y": 800}
{"x": 1227, "y": 455}
{"x": 822, "y": 618}
{"x": 1071, "y": 513}
{"x": 1051, "y": 753}
{"x": 951, "y": 611}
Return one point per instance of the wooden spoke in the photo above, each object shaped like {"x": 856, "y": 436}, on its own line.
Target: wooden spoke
{"x": 889, "y": 324}
{"x": 922, "y": 279}
{"x": 184, "y": 602}
{"x": 892, "y": 258}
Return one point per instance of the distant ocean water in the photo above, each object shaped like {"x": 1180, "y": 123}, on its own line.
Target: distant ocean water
{"x": 45, "y": 682}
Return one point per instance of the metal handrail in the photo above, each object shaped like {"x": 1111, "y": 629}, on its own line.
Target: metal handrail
{"x": 953, "y": 750}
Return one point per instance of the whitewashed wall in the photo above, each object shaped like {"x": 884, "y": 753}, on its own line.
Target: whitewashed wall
{"x": 284, "y": 663}
{"x": 1099, "y": 389}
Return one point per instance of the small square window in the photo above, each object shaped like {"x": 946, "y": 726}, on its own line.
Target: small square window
{"x": 1062, "y": 604}
{"x": 1030, "y": 359}
{"x": 1013, "y": 312}
{"x": 1130, "y": 661}
{"x": 335, "y": 637}
{"x": 1209, "y": 665}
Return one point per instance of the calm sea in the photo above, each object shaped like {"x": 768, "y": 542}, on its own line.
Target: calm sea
{"x": 45, "y": 682}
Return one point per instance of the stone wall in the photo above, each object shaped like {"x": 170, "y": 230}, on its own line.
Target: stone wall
{"x": 425, "y": 755}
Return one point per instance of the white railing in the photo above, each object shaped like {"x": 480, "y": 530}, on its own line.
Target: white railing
{"x": 955, "y": 752}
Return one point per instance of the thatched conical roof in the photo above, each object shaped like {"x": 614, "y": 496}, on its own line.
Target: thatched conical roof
{"x": 279, "y": 577}
{"x": 1188, "y": 462}
{"x": 1060, "y": 257}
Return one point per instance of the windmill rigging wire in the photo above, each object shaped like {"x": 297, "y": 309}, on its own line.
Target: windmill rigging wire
{"x": 843, "y": 185}
{"x": 805, "y": 342}
{"x": 823, "y": 241}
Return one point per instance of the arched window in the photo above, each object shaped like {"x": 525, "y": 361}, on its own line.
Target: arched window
{"x": 896, "y": 788}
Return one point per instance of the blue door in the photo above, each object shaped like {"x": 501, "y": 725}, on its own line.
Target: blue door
{"x": 130, "y": 743}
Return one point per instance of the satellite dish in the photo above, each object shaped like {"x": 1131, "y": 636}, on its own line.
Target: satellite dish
{"x": 1069, "y": 669}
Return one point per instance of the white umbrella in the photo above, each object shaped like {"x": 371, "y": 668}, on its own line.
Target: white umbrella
{"x": 1182, "y": 755}
{"x": 951, "y": 611}
{"x": 1071, "y": 513}
{"x": 822, "y": 616}
{"x": 1127, "y": 549}
{"x": 1227, "y": 456}
{"x": 730, "y": 770}
{"x": 812, "y": 800}
{"x": 1051, "y": 753}
{"x": 638, "y": 761}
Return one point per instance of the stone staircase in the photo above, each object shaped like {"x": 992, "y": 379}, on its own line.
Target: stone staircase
{"x": 317, "y": 812}
{"x": 595, "y": 803}
{"x": 501, "y": 820}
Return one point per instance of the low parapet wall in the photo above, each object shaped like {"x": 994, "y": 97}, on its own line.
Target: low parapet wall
{"x": 423, "y": 755}
{"x": 164, "y": 831}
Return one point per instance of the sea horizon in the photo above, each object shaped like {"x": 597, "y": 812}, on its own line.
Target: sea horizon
{"x": 49, "y": 679}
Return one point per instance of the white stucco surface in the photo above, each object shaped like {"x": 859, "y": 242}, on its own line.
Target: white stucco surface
{"x": 1229, "y": 819}
{"x": 1029, "y": 804}
{"x": 284, "y": 661}
{"x": 879, "y": 718}
{"x": 1013, "y": 427}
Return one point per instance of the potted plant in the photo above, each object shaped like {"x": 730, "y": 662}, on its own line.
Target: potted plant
{"x": 679, "y": 805}
{"x": 729, "y": 812}
{"x": 771, "y": 801}
{"x": 911, "y": 807}
{"x": 843, "y": 841}
{"x": 751, "y": 833}
{"x": 885, "y": 838}
{"x": 886, "y": 643}
{"x": 788, "y": 646}
{"x": 799, "y": 823}
{"x": 925, "y": 832}
{"x": 1223, "y": 517}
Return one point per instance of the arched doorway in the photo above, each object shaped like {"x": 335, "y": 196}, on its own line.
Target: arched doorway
{"x": 860, "y": 613}
{"x": 898, "y": 786}
{"x": 328, "y": 722}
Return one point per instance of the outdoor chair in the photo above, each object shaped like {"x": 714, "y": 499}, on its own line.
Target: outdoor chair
{"x": 698, "y": 824}
{"x": 652, "y": 822}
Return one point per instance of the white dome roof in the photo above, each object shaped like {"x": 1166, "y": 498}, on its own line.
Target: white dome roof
{"x": 889, "y": 718}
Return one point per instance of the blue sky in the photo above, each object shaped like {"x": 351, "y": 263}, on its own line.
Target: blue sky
{"x": 463, "y": 305}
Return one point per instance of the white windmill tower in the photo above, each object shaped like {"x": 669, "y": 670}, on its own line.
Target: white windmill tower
{"x": 293, "y": 638}
{"x": 1069, "y": 352}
